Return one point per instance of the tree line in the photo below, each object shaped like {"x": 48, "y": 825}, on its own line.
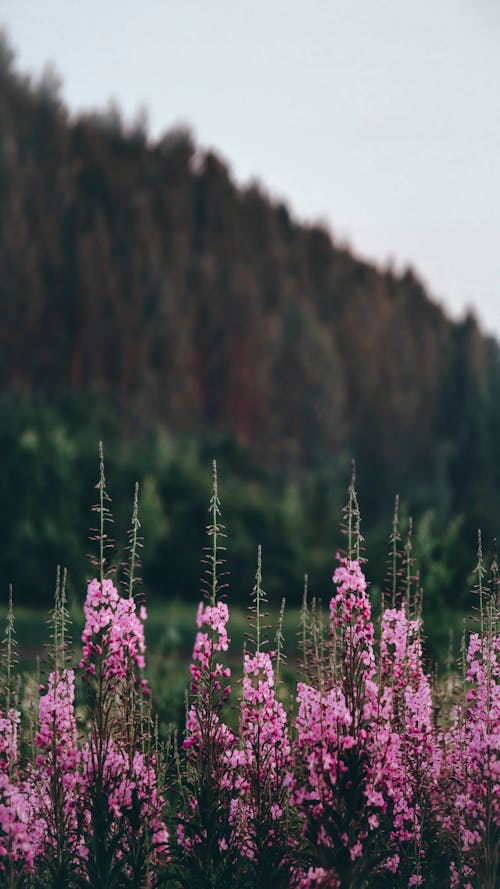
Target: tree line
{"x": 138, "y": 273}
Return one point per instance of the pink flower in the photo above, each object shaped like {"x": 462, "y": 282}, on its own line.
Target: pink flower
{"x": 113, "y": 635}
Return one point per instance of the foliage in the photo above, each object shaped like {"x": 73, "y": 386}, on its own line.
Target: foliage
{"x": 143, "y": 273}
{"x": 48, "y": 472}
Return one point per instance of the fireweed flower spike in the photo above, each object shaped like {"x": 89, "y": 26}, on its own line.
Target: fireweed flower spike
{"x": 113, "y": 636}
{"x": 334, "y": 789}
{"x": 468, "y": 799}
{"x": 364, "y": 737}
{"x": 123, "y": 809}
{"x": 21, "y": 826}
{"x": 206, "y": 853}
{"x": 263, "y": 762}
{"x": 113, "y": 653}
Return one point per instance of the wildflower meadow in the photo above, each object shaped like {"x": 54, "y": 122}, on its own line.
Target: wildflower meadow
{"x": 367, "y": 771}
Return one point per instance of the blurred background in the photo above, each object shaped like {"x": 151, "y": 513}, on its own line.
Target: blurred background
{"x": 265, "y": 233}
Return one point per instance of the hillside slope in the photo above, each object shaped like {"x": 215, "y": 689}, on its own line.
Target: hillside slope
{"x": 142, "y": 270}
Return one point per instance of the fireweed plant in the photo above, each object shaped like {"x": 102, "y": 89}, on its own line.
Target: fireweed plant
{"x": 377, "y": 776}
{"x": 205, "y": 851}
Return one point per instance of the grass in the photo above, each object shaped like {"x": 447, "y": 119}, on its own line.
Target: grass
{"x": 170, "y": 632}
{"x": 170, "y": 626}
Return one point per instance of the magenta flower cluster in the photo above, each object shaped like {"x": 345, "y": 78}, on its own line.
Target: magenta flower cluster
{"x": 56, "y": 805}
{"x": 369, "y": 783}
{"x": 113, "y": 628}
{"x": 367, "y": 774}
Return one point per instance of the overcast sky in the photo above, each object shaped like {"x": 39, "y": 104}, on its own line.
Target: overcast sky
{"x": 379, "y": 117}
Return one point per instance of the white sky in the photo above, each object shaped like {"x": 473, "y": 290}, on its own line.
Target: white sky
{"x": 379, "y": 117}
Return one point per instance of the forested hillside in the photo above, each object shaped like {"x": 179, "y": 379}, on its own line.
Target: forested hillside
{"x": 141, "y": 272}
